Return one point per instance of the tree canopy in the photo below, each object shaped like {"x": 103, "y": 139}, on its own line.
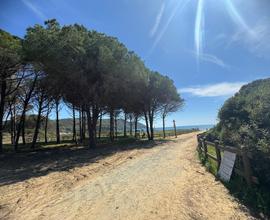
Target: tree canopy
{"x": 90, "y": 71}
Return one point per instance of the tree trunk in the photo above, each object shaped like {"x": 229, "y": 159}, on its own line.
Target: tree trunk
{"x": 37, "y": 124}
{"x": 83, "y": 124}
{"x": 151, "y": 119}
{"x": 136, "y": 126}
{"x": 130, "y": 125}
{"x": 163, "y": 123}
{"x": 91, "y": 122}
{"x": 12, "y": 122}
{"x": 2, "y": 108}
{"x": 125, "y": 125}
{"x": 14, "y": 125}
{"x": 12, "y": 128}
{"x": 96, "y": 133}
{"x": 111, "y": 125}
{"x": 147, "y": 125}
{"x": 22, "y": 119}
{"x": 80, "y": 125}
{"x": 19, "y": 127}
{"x": 100, "y": 126}
{"x": 115, "y": 125}
{"x": 23, "y": 131}
{"x": 74, "y": 138}
{"x": 57, "y": 122}
{"x": 46, "y": 126}
{"x": 174, "y": 129}
{"x": 6, "y": 119}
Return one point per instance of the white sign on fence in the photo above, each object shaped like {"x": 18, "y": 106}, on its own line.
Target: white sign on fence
{"x": 226, "y": 166}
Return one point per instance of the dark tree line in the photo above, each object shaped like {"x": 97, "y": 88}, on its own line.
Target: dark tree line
{"x": 92, "y": 73}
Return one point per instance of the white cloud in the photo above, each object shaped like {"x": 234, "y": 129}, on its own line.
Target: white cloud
{"x": 214, "y": 90}
{"x": 238, "y": 19}
{"x": 212, "y": 59}
{"x": 178, "y": 8}
{"x": 34, "y": 9}
{"x": 157, "y": 21}
{"x": 259, "y": 43}
{"x": 199, "y": 27}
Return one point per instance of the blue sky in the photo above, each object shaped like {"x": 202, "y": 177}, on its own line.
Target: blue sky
{"x": 208, "y": 47}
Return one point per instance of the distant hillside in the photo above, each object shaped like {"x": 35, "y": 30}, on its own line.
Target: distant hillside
{"x": 67, "y": 124}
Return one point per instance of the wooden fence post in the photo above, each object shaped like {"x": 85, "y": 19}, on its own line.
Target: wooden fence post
{"x": 204, "y": 147}
{"x": 218, "y": 153}
{"x": 247, "y": 167}
{"x": 174, "y": 128}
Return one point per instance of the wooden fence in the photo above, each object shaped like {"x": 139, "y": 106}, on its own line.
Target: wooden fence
{"x": 244, "y": 168}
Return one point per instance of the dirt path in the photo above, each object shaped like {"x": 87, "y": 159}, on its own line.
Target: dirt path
{"x": 164, "y": 182}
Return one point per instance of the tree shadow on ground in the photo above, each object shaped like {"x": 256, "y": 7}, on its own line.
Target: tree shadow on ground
{"x": 17, "y": 167}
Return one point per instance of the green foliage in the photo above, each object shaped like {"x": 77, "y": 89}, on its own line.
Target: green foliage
{"x": 10, "y": 54}
{"x": 160, "y": 92}
{"x": 245, "y": 118}
{"x": 10, "y": 46}
{"x": 90, "y": 71}
{"x": 257, "y": 197}
{"x": 245, "y": 121}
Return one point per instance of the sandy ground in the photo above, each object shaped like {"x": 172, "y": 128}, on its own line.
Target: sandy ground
{"x": 165, "y": 181}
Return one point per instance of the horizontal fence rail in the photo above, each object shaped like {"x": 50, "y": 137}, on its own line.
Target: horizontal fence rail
{"x": 242, "y": 154}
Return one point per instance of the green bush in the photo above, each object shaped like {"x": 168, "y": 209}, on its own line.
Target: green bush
{"x": 245, "y": 120}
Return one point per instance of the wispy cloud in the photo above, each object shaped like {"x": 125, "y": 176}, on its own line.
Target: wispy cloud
{"x": 158, "y": 20}
{"x": 258, "y": 45}
{"x": 35, "y": 9}
{"x": 210, "y": 58}
{"x": 199, "y": 28}
{"x": 255, "y": 37}
{"x": 214, "y": 90}
{"x": 178, "y": 8}
{"x": 238, "y": 18}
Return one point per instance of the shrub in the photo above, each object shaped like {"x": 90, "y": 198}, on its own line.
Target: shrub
{"x": 245, "y": 121}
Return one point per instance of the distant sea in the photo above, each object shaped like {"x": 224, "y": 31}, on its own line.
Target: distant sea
{"x": 200, "y": 127}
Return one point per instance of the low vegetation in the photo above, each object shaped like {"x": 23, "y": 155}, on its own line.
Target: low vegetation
{"x": 104, "y": 140}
